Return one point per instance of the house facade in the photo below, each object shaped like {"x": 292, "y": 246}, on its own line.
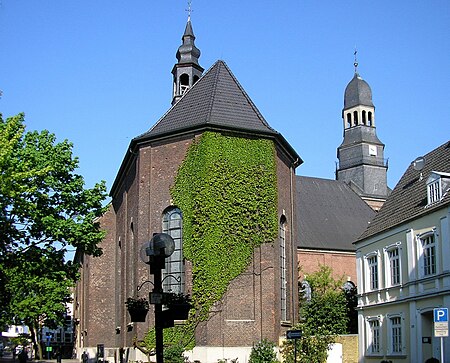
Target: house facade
{"x": 403, "y": 266}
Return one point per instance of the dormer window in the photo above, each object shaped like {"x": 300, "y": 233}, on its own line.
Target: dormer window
{"x": 437, "y": 185}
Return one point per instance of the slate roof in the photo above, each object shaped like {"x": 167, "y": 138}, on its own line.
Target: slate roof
{"x": 408, "y": 200}
{"x": 357, "y": 92}
{"x": 216, "y": 100}
{"x": 330, "y": 215}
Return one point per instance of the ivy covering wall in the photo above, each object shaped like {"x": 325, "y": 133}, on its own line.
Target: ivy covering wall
{"x": 226, "y": 189}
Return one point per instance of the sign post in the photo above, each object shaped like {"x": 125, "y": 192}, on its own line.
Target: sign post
{"x": 294, "y": 334}
{"x": 441, "y": 326}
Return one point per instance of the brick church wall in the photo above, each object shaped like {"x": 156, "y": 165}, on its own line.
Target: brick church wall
{"x": 249, "y": 311}
{"x": 95, "y": 295}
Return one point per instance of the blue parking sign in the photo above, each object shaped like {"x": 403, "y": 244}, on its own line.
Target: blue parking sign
{"x": 440, "y": 315}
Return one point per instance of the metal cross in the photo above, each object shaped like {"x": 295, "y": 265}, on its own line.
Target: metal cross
{"x": 189, "y": 9}
{"x": 356, "y": 60}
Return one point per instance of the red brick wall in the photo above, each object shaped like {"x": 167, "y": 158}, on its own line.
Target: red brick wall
{"x": 95, "y": 293}
{"x": 250, "y": 309}
{"x": 343, "y": 264}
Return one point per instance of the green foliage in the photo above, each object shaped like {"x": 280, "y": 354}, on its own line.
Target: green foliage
{"x": 312, "y": 347}
{"x": 226, "y": 189}
{"x": 179, "y": 335}
{"x": 174, "y": 354}
{"x": 44, "y": 210}
{"x": 263, "y": 352}
{"x": 327, "y": 309}
{"x": 42, "y": 200}
{"x": 322, "y": 318}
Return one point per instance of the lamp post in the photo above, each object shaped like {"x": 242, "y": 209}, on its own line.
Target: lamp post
{"x": 156, "y": 251}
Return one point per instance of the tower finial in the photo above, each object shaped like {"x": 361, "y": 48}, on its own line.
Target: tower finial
{"x": 189, "y": 9}
{"x": 355, "y": 63}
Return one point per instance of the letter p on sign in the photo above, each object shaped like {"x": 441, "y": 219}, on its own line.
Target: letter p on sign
{"x": 440, "y": 315}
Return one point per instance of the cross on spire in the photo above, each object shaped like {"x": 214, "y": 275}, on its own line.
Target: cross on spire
{"x": 189, "y": 9}
{"x": 355, "y": 63}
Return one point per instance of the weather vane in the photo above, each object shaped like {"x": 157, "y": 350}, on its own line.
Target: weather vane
{"x": 189, "y": 9}
{"x": 356, "y": 60}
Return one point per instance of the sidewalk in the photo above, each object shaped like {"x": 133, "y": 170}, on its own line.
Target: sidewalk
{"x": 7, "y": 358}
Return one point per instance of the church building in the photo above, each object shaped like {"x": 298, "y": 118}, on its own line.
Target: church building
{"x": 214, "y": 175}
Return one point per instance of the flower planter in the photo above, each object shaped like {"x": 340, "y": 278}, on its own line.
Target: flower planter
{"x": 137, "y": 308}
{"x": 138, "y": 315}
{"x": 179, "y": 311}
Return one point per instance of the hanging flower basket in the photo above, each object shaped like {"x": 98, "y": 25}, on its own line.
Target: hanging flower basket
{"x": 179, "y": 306}
{"x": 137, "y": 308}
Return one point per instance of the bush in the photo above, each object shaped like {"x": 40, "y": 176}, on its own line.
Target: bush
{"x": 174, "y": 354}
{"x": 263, "y": 352}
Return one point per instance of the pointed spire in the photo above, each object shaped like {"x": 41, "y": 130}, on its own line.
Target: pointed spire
{"x": 188, "y": 52}
{"x": 187, "y": 71}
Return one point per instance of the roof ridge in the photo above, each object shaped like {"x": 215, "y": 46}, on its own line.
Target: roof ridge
{"x": 213, "y": 94}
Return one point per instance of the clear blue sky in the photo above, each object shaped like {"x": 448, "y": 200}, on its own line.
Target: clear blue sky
{"x": 98, "y": 72}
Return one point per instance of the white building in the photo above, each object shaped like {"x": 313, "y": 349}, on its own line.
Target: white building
{"x": 403, "y": 266}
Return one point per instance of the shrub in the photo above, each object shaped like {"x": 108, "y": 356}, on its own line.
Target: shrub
{"x": 263, "y": 352}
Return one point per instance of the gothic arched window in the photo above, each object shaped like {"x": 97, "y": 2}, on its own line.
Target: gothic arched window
{"x": 173, "y": 274}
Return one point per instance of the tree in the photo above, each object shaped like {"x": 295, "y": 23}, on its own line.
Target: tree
{"x": 327, "y": 309}
{"x": 39, "y": 285}
{"x": 323, "y": 315}
{"x": 44, "y": 210}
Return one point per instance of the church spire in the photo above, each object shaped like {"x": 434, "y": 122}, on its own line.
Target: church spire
{"x": 187, "y": 71}
{"x": 361, "y": 154}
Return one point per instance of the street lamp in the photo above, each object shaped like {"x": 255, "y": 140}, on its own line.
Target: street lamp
{"x": 154, "y": 254}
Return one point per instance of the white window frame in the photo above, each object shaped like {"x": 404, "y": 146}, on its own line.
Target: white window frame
{"x": 437, "y": 186}
{"x": 388, "y": 264}
{"x": 370, "y": 273}
{"x": 390, "y": 344}
{"x": 423, "y": 265}
{"x": 371, "y": 337}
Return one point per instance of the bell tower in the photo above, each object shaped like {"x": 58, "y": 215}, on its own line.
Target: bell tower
{"x": 187, "y": 71}
{"x": 361, "y": 154}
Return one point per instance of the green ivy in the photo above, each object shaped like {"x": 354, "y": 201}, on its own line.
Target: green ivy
{"x": 226, "y": 189}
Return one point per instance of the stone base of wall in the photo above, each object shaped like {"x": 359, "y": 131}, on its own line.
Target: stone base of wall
{"x": 213, "y": 354}
{"x": 349, "y": 347}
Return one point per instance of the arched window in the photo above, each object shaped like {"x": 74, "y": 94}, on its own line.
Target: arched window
{"x": 364, "y": 117}
{"x": 369, "y": 116}
{"x": 355, "y": 117}
{"x": 283, "y": 291}
{"x": 184, "y": 83}
{"x": 349, "y": 119}
{"x": 196, "y": 78}
{"x": 173, "y": 274}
